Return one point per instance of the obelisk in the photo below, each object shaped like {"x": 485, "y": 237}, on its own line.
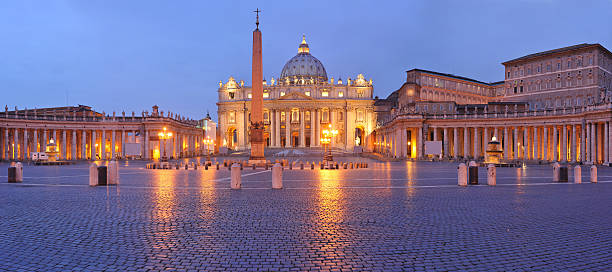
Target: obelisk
{"x": 257, "y": 125}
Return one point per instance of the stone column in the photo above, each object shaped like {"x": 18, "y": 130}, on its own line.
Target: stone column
{"x": 593, "y": 142}
{"x": 272, "y": 119}
{"x": 476, "y": 144}
{"x": 6, "y": 144}
{"x": 64, "y": 145}
{"x": 607, "y": 142}
{"x": 420, "y": 143}
{"x": 526, "y": 145}
{"x": 466, "y": 147}
{"x": 545, "y": 145}
{"x": 515, "y": 143}
{"x": 485, "y": 139}
{"x": 83, "y": 145}
{"x": 73, "y": 147}
{"x": 123, "y": 139}
{"x": 113, "y": 144}
{"x": 435, "y": 133}
{"x": 313, "y": 134}
{"x": 103, "y": 145}
{"x": 16, "y": 149}
{"x": 573, "y": 144}
{"x": 403, "y": 142}
{"x": 563, "y": 146}
{"x": 277, "y": 114}
{"x": 456, "y": 142}
{"x": 506, "y": 144}
{"x": 318, "y": 127}
{"x": 536, "y": 143}
{"x": 288, "y": 129}
{"x": 446, "y": 142}
{"x": 555, "y": 144}
{"x": 35, "y": 144}
{"x": 582, "y": 142}
{"x": 302, "y": 129}
{"x": 25, "y": 144}
{"x": 92, "y": 145}
{"x": 146, "y": 144}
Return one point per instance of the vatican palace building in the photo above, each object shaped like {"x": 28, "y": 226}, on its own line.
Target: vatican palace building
{"x": 552, "y": 106}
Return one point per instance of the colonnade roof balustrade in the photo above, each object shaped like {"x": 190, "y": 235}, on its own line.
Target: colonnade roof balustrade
{"x": 77, "y": 118}
{"x": 412, "y": 114}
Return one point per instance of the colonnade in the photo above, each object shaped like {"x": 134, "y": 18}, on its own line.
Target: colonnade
{"x": 585, "y": 141}
{"x": 18, "y": 143}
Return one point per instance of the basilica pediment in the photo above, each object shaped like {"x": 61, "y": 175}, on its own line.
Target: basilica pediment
{"x": 295, "y": 96}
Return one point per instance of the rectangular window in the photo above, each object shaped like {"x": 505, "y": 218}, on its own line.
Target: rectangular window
{"x": 325, "y": 116}
{"x": 282, "y": 93}
{"x": 340, "y": 94}
{"x": 250, "y": 96}
{"x": 232, "y": 117}
{"x": 360, "y": 115}
{"x": 324, "y": 93}
{"x": 283, "y": 116}
{"x": 231, "y": 95}
{"x": 266, "y": 95}
{"x": 307, "y": 93}
{"x": 266, "y": 116}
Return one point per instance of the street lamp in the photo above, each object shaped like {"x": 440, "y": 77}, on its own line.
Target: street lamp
{"x": 164, "y": 135}
{"x": 328, "y": 134}
{"x": 208, "y": 141}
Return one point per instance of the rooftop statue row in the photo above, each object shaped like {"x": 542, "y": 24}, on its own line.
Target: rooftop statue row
{"x": 359, "y": 82}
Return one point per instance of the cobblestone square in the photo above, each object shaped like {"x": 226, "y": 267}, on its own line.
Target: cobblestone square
{"x": 393, "y": 216}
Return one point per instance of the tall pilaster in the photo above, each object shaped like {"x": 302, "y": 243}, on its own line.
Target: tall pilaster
{"x": 526, "y": 143}
{"x": 113, "y": 144}
{"x": 313, "y": 134}
{"x": 420, "y": 143}
{"x": 537, "y": 154}
{"x": 278, "y": 125}
{"x": 44, "y": 141}
{"x": 403, "y": 142}
{"x": 516, "y": 144}
{"x": 272, "y": 118}
{"x": 476, "y": 144}
{"x": 564, "y": 144}
{"x": 35, "y": 144}
{"x": 103, "y": 145}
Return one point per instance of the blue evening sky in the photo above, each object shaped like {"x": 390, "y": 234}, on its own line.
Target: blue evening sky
{"x": 129, "y": 55}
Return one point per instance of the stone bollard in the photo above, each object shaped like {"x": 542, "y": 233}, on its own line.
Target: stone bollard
{"x": 312, "y": 166}
{"x": 206, "y": 166}
{"x": 577, "y": 174}
{"x": 291, "y": 166}
{"x": 241, "y": 166}
{"x": 217, "y": 165}
{"x": 322, "y": 166}
{"x": 277, "y": 176}
{"x": 594, "y": 174}
{"x": 266, "y": 166}
{"x": 177, "y": 166}
{"x": 93, "y": 174}
{"x": 556, "y": 170}
{"x": 235, "y": 174}
{"x": 491, "y": 175}
{"x": 254, "y": 166}
{"x": 187, "y": 166}
{"x": 195, "y": 166}
{"x": 462, "y": 174}
{"x": 113, "y": 173}
{"x": 19, "y": 172}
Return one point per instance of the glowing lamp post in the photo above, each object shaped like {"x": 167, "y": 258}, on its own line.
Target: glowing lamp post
{"x": 164, "y": 135}
{"x": 208, "y": 141}
{"x": 328, "y": 134}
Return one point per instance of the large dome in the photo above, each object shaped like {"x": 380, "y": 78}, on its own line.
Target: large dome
{"x": 304, "y": 65}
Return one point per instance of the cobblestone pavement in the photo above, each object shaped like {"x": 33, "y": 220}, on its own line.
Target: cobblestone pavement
{"x": 399, "y": 216}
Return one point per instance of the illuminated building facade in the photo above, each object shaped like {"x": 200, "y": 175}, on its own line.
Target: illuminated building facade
{"x": 297, "y": 105}
{"x": 552, "y": 106}
{"x": 81, "y": 133}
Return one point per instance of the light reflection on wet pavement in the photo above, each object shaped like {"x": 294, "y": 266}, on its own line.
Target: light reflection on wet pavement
{"x": 391, "y": 216}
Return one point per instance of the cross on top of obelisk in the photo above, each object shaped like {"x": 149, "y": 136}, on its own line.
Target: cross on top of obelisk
{"x": 257, "y": 11}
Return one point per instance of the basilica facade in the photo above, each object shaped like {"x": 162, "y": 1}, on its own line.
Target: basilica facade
{"x": 298, "y": 106}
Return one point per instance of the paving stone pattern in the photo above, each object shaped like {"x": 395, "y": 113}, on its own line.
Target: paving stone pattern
{"x": 391, "y": 217}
